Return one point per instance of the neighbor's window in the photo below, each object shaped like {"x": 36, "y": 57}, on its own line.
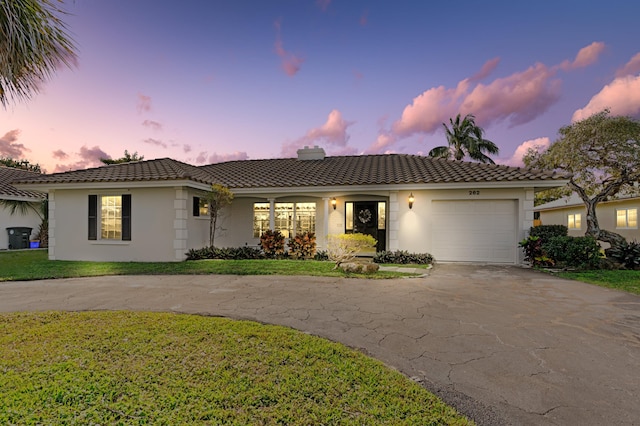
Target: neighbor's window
{"x": 574, "y": 221}
{"x": 287, "y": 217}
{"x": 627, "y": 218}
{"x": 110, "y": 217}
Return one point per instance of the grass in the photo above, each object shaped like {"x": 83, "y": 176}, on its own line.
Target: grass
{"x": 628, "y": 281}
{"x": 162, "y": 368}
{"x": 34, "y": 265}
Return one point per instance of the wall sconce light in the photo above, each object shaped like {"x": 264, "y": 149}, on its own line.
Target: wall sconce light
{"x": 411, "y": 200}
{"x": 334, "y": 202}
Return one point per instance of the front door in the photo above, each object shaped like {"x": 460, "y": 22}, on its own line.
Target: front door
{"x": 365, "y": 220}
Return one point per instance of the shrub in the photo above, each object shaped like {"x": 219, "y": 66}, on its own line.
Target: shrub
{"x": 303, "y": 246}
{"x": 577, "y": 252}
{"x": 403, "y": 257}
{"x": 272, "y": 243}
{"x": 344, "y": 247}
{"x": 321, "y": 255}
{"x": 534, "y": 253}
{"x": 627, "y": 253}
{"x": 545, "y": 232}
{"x": 227, "y": 253}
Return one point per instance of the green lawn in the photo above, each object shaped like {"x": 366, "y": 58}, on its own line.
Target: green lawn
{"x": 628, "y": 281}
{"x": 34, "y": 265}
{"x": 162, "y": 368}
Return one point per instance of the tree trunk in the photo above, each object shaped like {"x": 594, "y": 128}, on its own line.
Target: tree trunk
{"x": 593, "y": 227}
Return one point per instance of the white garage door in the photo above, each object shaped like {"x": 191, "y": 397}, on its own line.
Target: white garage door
{"x": 474, "y": 231}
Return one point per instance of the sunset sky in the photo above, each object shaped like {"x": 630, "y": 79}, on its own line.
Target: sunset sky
{"x": 209, "y": 81}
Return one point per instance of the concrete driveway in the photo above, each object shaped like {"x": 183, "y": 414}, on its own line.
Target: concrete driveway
{"x": 504, "y": 345}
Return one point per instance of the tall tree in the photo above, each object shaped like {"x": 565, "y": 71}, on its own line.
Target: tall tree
{"x": 602, "y": 152}
{"x": 126, "y": 158}
{"x": 33, "y": 44}
{"x": 465, "y": 139}
{"x": 218, "y": 198}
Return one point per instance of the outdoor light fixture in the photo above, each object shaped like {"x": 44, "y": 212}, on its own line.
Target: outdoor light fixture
{"x": 334, "y": 202}
{"x": 411, "y": 200}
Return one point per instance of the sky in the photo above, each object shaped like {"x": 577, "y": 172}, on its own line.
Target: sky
{"x": 213, "y": 80}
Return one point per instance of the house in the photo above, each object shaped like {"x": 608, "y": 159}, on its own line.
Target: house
{"x": 155, "y": 211}
{"x": 619, "y": 215}
{"x": 11, "y": 193}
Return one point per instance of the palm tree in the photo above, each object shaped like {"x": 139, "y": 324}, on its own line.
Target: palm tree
{"x": 33, "y": 44}
{"x": 465, "y": 139}
{"x": 41, "y": 208}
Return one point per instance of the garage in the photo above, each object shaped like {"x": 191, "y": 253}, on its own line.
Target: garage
{"x": 474, "y": 231}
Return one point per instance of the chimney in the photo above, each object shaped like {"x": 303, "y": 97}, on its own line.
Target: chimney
{"x": 315, "y": 153}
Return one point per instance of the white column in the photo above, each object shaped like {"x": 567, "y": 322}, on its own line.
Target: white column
{"x": 52, "y": 225}
{"x": 272, "y": 213}
{"x": 394, "y": 221}
{"x": 325, "y": 221}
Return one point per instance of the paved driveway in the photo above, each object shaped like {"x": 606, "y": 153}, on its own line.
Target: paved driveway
{"x": 504, "y": 345}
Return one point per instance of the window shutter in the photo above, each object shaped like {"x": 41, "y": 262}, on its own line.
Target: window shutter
{"x": 126, "y": 217}
{"x": 196, "y": 206}
{"x": 93, "y": 217}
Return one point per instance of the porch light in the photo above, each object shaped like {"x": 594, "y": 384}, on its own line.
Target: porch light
{"x": 334, "y": 202}
{"x": 411, "y": 200}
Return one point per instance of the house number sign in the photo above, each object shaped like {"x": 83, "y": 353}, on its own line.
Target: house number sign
{"x": 474, "y": 192}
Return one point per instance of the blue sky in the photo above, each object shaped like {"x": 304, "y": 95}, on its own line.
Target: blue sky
{"x": 209, "y": 81}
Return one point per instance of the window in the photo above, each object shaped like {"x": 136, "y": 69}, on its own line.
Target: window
{"x": 287, "y": 217}
{"x": 113, "y": 214}
{"x": 574, "y": 221}
{"x": 200, "y": 207}
{"x": 627, "y": 218}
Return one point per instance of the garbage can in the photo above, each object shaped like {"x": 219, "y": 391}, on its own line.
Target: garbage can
{"x": 19, "y": 237}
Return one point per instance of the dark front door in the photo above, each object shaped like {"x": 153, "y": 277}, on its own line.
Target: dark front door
{"x": 365, "y": 218}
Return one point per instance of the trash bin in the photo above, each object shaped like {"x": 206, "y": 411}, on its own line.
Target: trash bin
{"x": 19, "y": 237}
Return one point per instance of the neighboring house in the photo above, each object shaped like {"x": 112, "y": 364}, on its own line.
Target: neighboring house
{"x": 154, "y": 210}
{"x": 619, "y": 215}
{"x": 10, "y": 192}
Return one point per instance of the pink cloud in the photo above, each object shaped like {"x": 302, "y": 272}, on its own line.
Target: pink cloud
{"x": 631, "y": 68}
{"x": 323, "y": 4}
{"x": 486, "y": 70}
{"x": 585, "y": 57}
{"x": 364, "y": 18}
{"x": 153, "y": 125}
{"x": 291, "y": 63}
{"x": 539, "y": 144}
{"x": 155, "y": 142}
{"x": 8, "y": 147}
{"x": 520, "y": 97}
{"x": 622, "y": 96}
{"x": 186, "y": 148}
{"x": 89, "y": 157}
{"x": 144, "y": 103}
{"x": 206, "y": 158}
{"x": 234, "y": 156}
{"x": 332, "y": 132}
{"x": 60, "y": 154}
{"x": 383, "y": 141}
{"x": 428, "y": 110}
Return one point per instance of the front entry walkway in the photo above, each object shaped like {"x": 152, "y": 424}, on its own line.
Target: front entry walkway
{"x": 504, "y": 345}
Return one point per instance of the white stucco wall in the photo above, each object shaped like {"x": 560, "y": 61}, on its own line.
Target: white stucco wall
{"x": 30, "y": 220}
{"x": 159, "y": 219}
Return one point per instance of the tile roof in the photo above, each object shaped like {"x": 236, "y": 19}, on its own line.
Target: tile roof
{"x": 137, "y": 171}
{"x": 364, "y": 170}
{"x": 291, "y": 172}
{"x": 8, "y": 175}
